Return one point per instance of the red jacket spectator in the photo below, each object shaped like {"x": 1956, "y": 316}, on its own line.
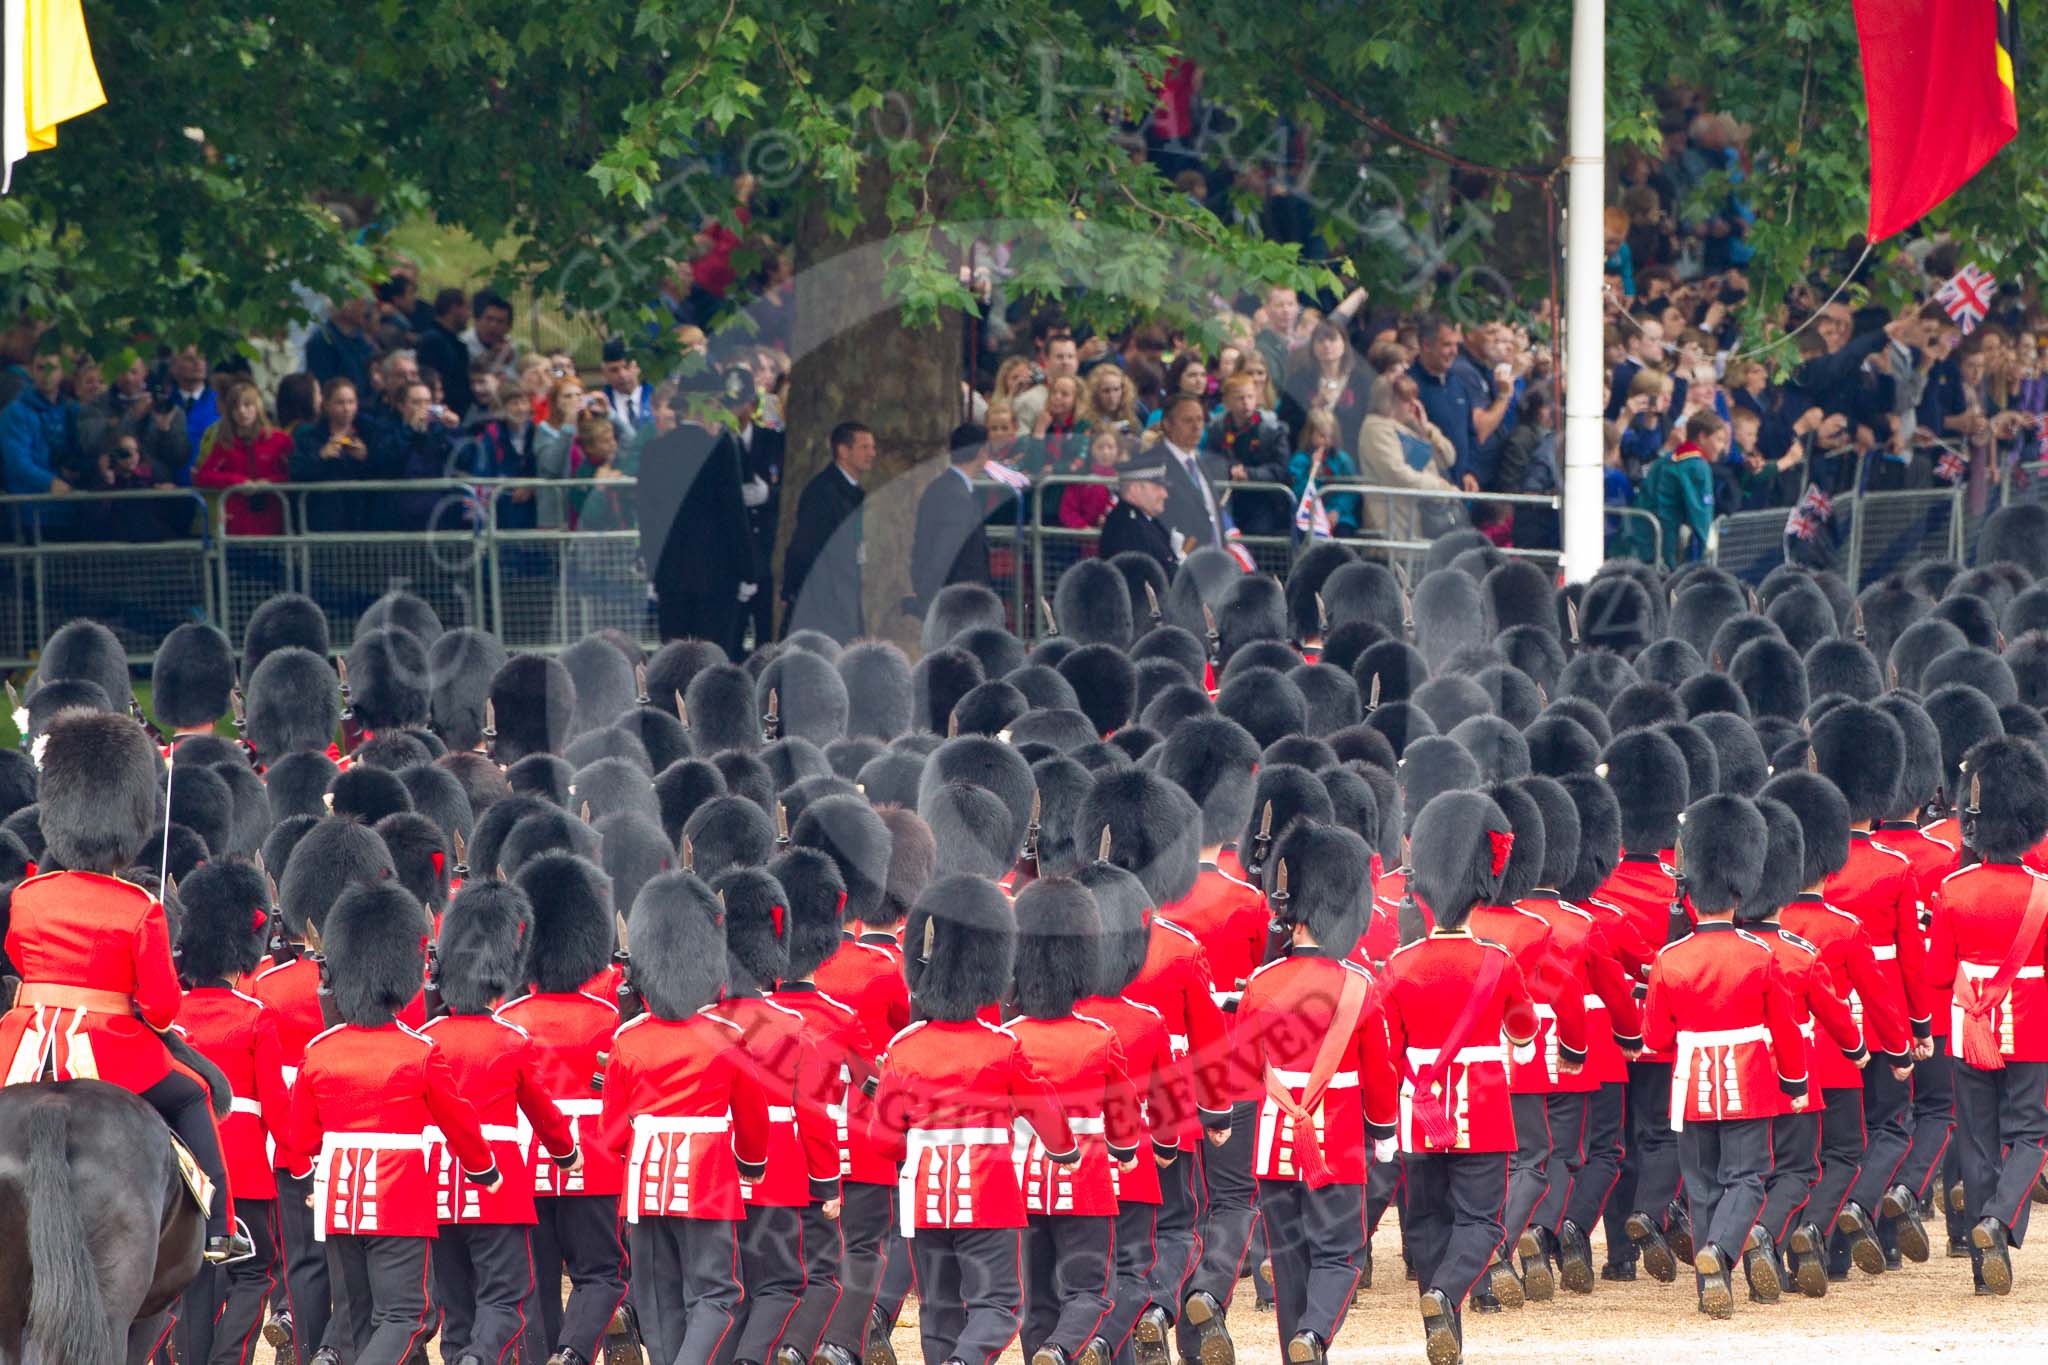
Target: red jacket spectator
{"x": 230, "y": 464}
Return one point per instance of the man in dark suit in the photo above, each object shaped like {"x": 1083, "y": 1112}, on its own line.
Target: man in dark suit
{"x": 1192, "y": 511}
{"x": 632, "y": 402}
{"x": 821, "y": 572}
{"x": 1133, "y": 524}
{"x": 761, "y": 452}
{"x": 951, "y": 546}
{"x": 693, "y": 528}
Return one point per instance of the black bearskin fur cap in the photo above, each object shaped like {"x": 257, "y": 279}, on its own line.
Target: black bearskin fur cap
{"x": 483, "y": 947}
{"x": 192, "y": 676}
{"x": 1718, "y": 842}
{"x": 756, "y": 928}
{"x": 533, "y": 698}
{"x": 1650, "y": 778}
{"x": 572, "y": 920}
{"x": 815, "y": 898}
{"x": 2007, "y": 780}
{"x": 1059, "y": 959}
{"x": 1155, "y": 830}
{"x": 376, "y": 946}
{"x": 1092, "y": 605}
{"x": 1457, "y": 855}
{"x": 287, "y": 620}
{"x": 224, "y": 921}
{"x": 961, "y": 944}
{"x": 847, "y": 830}
{"x": 1823, "y": 817}
{"x": 388, "y": 680}
{"x": 677, "y": 935}
{"x": 98, "y": 792}
{"x": 294, "y": 704}
{"x": 1861, "y": 750}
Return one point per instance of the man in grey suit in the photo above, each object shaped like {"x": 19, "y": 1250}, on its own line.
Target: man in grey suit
{"x": 1192, "y": 508}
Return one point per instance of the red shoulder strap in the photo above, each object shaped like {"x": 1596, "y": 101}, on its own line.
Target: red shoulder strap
{"x": 1980, "y": 1044}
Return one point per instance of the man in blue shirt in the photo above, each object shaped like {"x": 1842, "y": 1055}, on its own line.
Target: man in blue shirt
{"x": 195, "y": 398}
{"x": 39, "y": 440}
{"x": 1456, "y": 400}
{"x": 341, "y": 347}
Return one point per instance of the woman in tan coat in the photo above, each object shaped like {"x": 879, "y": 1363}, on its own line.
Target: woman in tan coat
{"x": 1398, "y": 447}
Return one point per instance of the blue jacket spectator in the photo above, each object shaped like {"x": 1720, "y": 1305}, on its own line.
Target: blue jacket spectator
{"x": 341, "y": 348}
{"x": 1319, "y": 435}
{"x": 39, "y": 442}
{"x": 196, "y": 400}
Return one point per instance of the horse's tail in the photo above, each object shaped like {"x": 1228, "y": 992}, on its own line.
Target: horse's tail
{"x": 67, "y": 1317}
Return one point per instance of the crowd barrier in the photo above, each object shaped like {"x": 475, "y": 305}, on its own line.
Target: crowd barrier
{"x": 539, "y": 588}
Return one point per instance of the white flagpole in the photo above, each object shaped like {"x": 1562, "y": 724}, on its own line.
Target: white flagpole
{"x": 1585, "y": 254}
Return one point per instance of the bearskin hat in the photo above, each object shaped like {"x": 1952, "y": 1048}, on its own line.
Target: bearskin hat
{"x": 1861, "y": 750}
{"x": 287, "y": 620}
{"x": 1064, "y": 731}
{"x": 848, "y": 756}
{"x": 990, "y": 764}
{"x": 1399, "y": 669}
{"x": 1650, "y": 778}
{"x": 1641, "y": 704}
{"x": 810, "y": 696}
{"x": 1265, "y": 703}
{"x": 549, "y": 830}
{"x": 1305, "y": 580}
{"x": 632, "y": 849}
{"x": 1141, "y": 571}
{"x": 968, "y": 823}
{"x": 1702, "y": 760}
{"x": 369, "y": 794}
{"x": 1202, "y": 579}
{"x": 677, "y": 932}
{"x": 388, "y": 681}
{"x": 1596, "y": 676}
{"x": 1712, "y": 694}
{"x": 963, "y": 606}
{"x": 376, "y": 944}
{"x": 1843, "y": 666}
{"x": 2027, "y": 658}
{"x": 487, "y": 848}
{"x": 1092, "y": 605}
{"x": 756, "y": 927}
{"x": 998, "y": 651}
{"x": 193, "y": 674}
{"x": 1155, "y": 830}
{"x": 1402, "y": 723}
{"x": 1260, "y": 654}
{"x": 1059, "y": 958}
{"x": 1354, "y": 802}
{"x": 460, "y": 666}
{"x": 1773, "y": 678}
{"x": 815, "y": 900}
{"x": 1432, "y": 765}
{"x": 962, "y": 941}
{"x": 681, "y": 789}
{"x": 1599, "y": 849}
{"x": 1124, "y": 914}
{"x": 1884, "y": 610}
{"x": 1451, "y": 700}
{"x": 661, "y": 735}
{"x": 1669, "y": 662}
{"x": 25, "y": 827}
{"x": 1919, "y": 645}
{"x": 1718, "y": 841}
{"x": 1496, "y": 747}
{"x": 1804, "y": 615}
{"x": 1331, "y": 696}
{"x": 1301, "y": 751}
{"x": 602, "y": 680}
{"x": 1155, "y": 676}
{"x": 1920, "y": 773}
{"x": 1063, "y": 787}
{"x": 224, "y": 918}
{"x": 392, "y": 750}
{"x": 532, "y": 699}
{"x": 1043, "y": 688}
{"x": 1450, "y": 613}
{"x": 1165, "y": 712}
{"x": 85, "y": 651}
{"x": 793, "y": 760}
{"x": 1701, "y": 607}
{"x": 1170, "y": 643}
{"x": 672, "y": 667}
{"x": 912, "y": 858}
{"x": 400, "y": 610}
{"x": 98, "y": 792}
{"x": 17, "y": 781}
{"x": 294, "y": 704}
{"x": 1049, "y": 651}
{"x": 200, "y": 800}
{"x": 2026, "y": 612}
{"x": 1592, "y": 719}
{"x": 890, "y": 779}
{"x": 1105, "y": 685}
{"x": 1459, "y": 847}
{"x": 1973, "y": 616}
{"x": 421, "y": 854}
{"x": 572, "y": 920}
{"x": 1739, "y": 758}
{"x": 335, "y": 853}
{"x": 297, "y": 784}
{"x": 1975, "y": 667}
{"x": 2024, "y": 722}
{"x": 1366, "y": 592}
{"x": 1343, "y": 644}
{"x": 1823, "y": 816}
{"x": 1932, "y": 576}
{"x": 249, "y": 808}
{"x": 1518, "y": 593}
{"x": 1736, "y": 632}
{"x": 1329, "y": 883}
{"x": 612, "y": 786}
{"x": 547, "y": 776}
{"x": 1964, "y": 718}
{"x": 727, "y": 832}
{"x": 1363, "y": 743}
{"x": 1536, "y": 652}
{"x": 722, "y": 711}
{"x": 1559, "y": 745}
{"x": 1254, "y": 608}
{"x": 847, "y": 830}
{"x": 938, "y": 682}
{"x": 1524, "y": 870}
{"x": 1213, "y": 759}
{"x": 1617, "y": 614}
{"x": 609, "y": 742}
{"x": 2017, "y": 532}
{"x": 1100, "y": 756}
{"x": 2004, "y": 806}
{"x": 1559, "y": 817}
{"x": 483, "y": 947}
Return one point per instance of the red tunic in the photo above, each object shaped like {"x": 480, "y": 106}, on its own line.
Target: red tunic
{"x": 1876, "y": 885}
{"x": 803, "y": 1143}
{"x": 1814, "y": 1003}
{"x": 1931, "y": 857}
{"x": 291, "y": 992}
{"x": 950, "y": 1095}
{"x": 1559, "y": 998}
{"x": 1844, "y": 949}
{"x": 1228, "y": 918}
{"x": 1719, "y": 1003}
{"x": 238, "y": 1035}
{"x": 364, "y": 1101}
{"x": 1288, "y": 1009}
{"x": 866, "y": 975}
{"x": 1175, "y": 981}
{"x": 1640, "y": 891}
{"x": 568, "y": 1032}
{"x": 1977, "y": 914}
{"x": 846, "y": 1058}
{"x": 683, "y": 1116}
{"x": 1427, "y": 985}
{"x": 1148, "y": 1061}
{"x": 1613, "y": 1018}
{"x": 496, "y": 1069}
{"x": 1082, "y": 1061}
{"x": 85, "y": 931}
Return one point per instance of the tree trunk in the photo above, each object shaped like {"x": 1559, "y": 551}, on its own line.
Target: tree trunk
{"x": 856, "y": 360}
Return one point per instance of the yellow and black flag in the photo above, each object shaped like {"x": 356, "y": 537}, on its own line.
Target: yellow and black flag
{"x": 1938, "y": 81}
{"x": 46, "y": 76}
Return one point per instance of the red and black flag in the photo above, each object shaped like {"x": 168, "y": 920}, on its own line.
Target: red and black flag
{"x": 1938, "y": 80}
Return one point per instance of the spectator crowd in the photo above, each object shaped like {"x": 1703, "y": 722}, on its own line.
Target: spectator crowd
{"x": 1709, "y": 408}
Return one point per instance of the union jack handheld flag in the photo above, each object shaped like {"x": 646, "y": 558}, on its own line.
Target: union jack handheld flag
{"x": 1811, "y": 515}
{"x": 1311, "y": 519}
{"x": 1967, "y": 297}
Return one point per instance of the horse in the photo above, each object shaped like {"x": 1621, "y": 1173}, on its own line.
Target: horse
{"x": 98, "y": 1233}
